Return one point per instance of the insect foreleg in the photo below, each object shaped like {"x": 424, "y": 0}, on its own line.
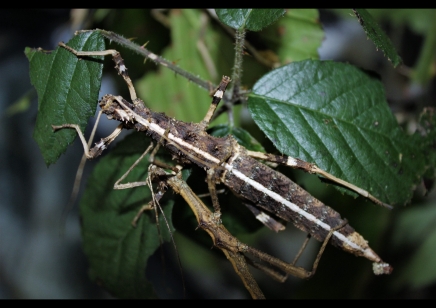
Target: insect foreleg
{"x": 117, "y": 184}
{"x": 119, "y": 65}
{"x": 219, "y": 93}
{"x": 99, "y": 147}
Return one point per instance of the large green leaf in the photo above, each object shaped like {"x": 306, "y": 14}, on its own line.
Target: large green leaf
{"x": 377, "y": 35}
{"x": 336, "y": 116}
{"x": 117, "y": 251}
{"x": 163, "y": 90}
{"x": 250, "y": 19}
{"x": 302, "y": 35}
{"x": 68, "y": 89}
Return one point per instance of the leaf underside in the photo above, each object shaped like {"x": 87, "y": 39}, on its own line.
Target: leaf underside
{"x": 336, "y": 116}
{"x": 377, "y": 35}
{"x": 68, "y": 90}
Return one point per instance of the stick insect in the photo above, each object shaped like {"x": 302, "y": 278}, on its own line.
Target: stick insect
{"x": 269, "y": 192}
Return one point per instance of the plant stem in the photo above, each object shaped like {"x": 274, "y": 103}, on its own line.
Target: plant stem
{"x": 237, "y": 67}
{"x": 155, "y": 58}
{"x": 237, "y": 74}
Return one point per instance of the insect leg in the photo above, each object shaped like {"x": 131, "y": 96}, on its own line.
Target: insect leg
{"x": 219, "y": 93}
{"x": 312, "y": 168}
{"x": 78, "y": 178}
{"x": 119, "y": 65}
{"x": 221, "y": 238}
{"x": 117, "y": 184}
{"x": 290, "y": 268}
{"x": 99, "y": 147}
{"x": 240, "y": 266}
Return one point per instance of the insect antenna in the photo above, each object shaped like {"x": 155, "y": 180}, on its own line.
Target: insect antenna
{"x": 155, "y": 201}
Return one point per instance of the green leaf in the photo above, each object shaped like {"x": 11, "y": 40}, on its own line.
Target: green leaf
{"x": 420, "y": 276}
{"x": 377, "y": 35}
{"x": 21, "y": 105}
{"x": 117, "y": 251}
{"x": 427, "y": 131}
{"x": 68, "y": 89}
{"x": 424, "y": 72}
{"x": 241, "y": 135}
{"x": 336, "y": 116}
{"x": 251, "y": 19}
{"x": 178, "y": 98}
{"x": 414, "y": 224}
{"x": 418, "y": 20}
{"x": 297, "y": 36}
{"x": 415, "y": 228}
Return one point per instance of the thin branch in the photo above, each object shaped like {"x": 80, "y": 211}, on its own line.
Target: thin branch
{"x": 251, "y": 49}
{"x": 237, "y": 66}
{"x": 149, "y": 55}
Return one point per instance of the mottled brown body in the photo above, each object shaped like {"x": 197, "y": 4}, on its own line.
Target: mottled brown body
{"x": 228, "y": 158}
{"x": 289, "y": 190}
{"x": 192, "y": 133}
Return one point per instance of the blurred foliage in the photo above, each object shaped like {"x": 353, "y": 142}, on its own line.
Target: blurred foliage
{"x": 420, "y": 21}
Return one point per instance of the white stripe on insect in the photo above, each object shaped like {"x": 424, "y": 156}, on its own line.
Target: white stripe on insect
{"x": 219, "y": 94}
{"x": 292, "y": 206}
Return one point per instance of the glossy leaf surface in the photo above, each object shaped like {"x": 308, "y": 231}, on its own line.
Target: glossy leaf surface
{"x": 336, "y": 116}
